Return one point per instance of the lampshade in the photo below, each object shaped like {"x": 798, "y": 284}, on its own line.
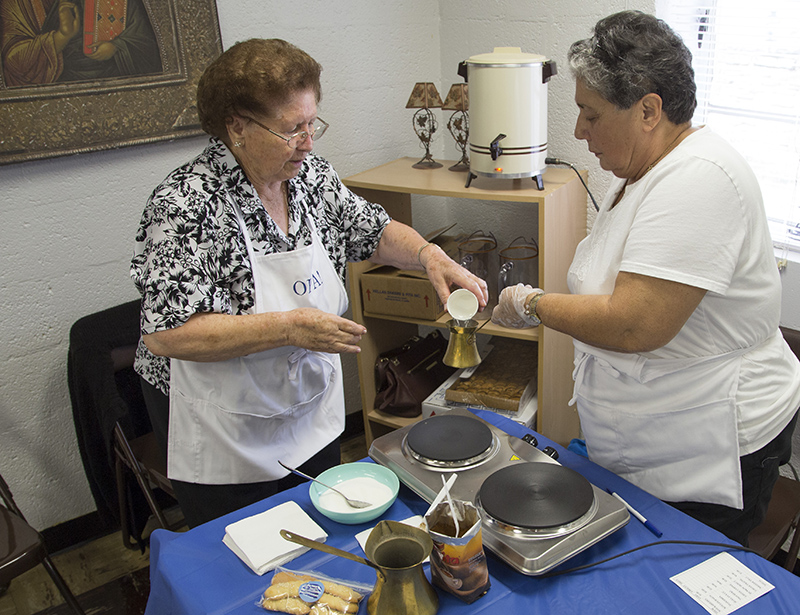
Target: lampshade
{"x": 457, "y": 98}
{"x": 424, "y": 96}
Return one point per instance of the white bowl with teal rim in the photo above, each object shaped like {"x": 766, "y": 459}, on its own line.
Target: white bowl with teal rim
{"x": 365, "y": 481}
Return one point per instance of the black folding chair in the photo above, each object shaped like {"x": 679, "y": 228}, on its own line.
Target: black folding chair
{"x": 22, "y": 548}
{"x": 126, "y": 471}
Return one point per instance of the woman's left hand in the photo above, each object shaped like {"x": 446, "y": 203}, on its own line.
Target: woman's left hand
{"x": 510, "y": 308}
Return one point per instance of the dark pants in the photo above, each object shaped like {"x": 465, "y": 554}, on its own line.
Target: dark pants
{"x": 759, "y": 474}
{"x": 201, "y": 503}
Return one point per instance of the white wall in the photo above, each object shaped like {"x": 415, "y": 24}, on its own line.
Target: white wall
{"x": 69, "y": 222}
{"x": 470, "y": 27}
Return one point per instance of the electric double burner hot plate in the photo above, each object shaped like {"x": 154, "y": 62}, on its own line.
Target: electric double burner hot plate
{"x": 535, "y": 512}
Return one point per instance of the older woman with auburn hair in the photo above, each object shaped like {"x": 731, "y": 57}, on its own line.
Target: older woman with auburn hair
{"x": 240, "y": 260}
{"x": 683, "y": 382}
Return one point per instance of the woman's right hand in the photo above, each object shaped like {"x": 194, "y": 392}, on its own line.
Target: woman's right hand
{"x": 217, "y": 337}
{"x": 317, "y": 330}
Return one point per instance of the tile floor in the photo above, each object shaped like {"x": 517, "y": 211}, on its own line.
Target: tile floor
{"x": 108, "y": 578}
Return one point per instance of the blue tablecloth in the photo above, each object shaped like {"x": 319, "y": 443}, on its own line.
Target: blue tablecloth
{"x": 194, "y": 573}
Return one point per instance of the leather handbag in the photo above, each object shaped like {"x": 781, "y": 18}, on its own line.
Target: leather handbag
{"x": 406, "y": 375}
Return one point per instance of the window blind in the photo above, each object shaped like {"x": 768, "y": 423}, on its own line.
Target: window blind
{"x": 746, "y": 57}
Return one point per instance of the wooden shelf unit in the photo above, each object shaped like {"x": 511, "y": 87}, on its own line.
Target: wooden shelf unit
{"x": 561, "y": 211}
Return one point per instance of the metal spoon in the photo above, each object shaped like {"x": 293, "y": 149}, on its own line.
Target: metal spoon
{"x": 351, "y": 503}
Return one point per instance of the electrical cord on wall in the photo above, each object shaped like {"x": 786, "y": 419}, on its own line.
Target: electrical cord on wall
{"x": 558, "y": 161}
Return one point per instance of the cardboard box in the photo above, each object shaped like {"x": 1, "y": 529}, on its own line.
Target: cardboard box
{"x": 402, "y": 292}
{"x": 436, "y": 403}
{"x": 398, "y": 292}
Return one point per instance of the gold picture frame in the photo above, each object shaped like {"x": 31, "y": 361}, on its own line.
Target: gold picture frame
{"x": 83, "y": 111}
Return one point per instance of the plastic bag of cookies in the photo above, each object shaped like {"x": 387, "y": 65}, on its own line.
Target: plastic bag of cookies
{"x": 309, "y": 593}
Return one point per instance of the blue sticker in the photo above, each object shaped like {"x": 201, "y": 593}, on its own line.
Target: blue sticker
{"x": 311, "y": 591}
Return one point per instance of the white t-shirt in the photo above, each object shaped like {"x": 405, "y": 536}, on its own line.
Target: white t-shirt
{"x": 698, "y": 218}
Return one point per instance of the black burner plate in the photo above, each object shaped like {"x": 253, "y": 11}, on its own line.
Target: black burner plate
{"x": 449, "y": 438}
{"x": 536, "y": 495}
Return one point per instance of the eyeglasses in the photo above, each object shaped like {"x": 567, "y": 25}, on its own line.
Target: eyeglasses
{"x": 315, "y": 130}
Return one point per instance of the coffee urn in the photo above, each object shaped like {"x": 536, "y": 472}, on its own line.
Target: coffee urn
{"x": 507, "y": 113}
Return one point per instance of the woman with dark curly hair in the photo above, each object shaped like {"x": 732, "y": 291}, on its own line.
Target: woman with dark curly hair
{"x": 240, "y": 259}
{"x": 683, "y": 382}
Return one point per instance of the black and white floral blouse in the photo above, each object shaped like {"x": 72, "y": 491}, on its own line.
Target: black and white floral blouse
{"x": 190, "y": 255}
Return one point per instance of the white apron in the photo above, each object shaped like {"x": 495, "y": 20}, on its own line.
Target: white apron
{"x": 231, "y": 421}
{"x": 669, "y": 426}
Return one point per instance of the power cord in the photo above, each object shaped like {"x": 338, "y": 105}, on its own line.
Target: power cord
{"x": 558, "y": 161}
{"x": 651, "y": 544}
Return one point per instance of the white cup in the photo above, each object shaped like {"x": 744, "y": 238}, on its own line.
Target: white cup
{"x": 462, "y": 304}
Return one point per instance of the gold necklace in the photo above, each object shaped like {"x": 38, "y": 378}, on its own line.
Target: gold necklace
{"x": 621, "y": 193}
{"x": 665, "y": 152}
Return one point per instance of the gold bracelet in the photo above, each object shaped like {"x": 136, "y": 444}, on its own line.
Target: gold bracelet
{"x": 530, "y": 309}
{"x": 419, "y": 253}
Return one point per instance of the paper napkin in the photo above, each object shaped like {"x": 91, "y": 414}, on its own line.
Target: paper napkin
{"x": 257, "y": 540}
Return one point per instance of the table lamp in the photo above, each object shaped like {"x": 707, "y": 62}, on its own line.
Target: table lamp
{"x": 423, "y": 97}
{"x": 457, "y": 100}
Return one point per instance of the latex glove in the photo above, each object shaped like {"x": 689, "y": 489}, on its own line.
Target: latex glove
{"x": 510, "y": 309}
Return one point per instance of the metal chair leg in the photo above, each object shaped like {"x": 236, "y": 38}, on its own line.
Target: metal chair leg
{"x": 794, "y": 548}
{"x": 130, "y": 458}
{"x": 62, "y": 586}
{"x": 122, "y": 498}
